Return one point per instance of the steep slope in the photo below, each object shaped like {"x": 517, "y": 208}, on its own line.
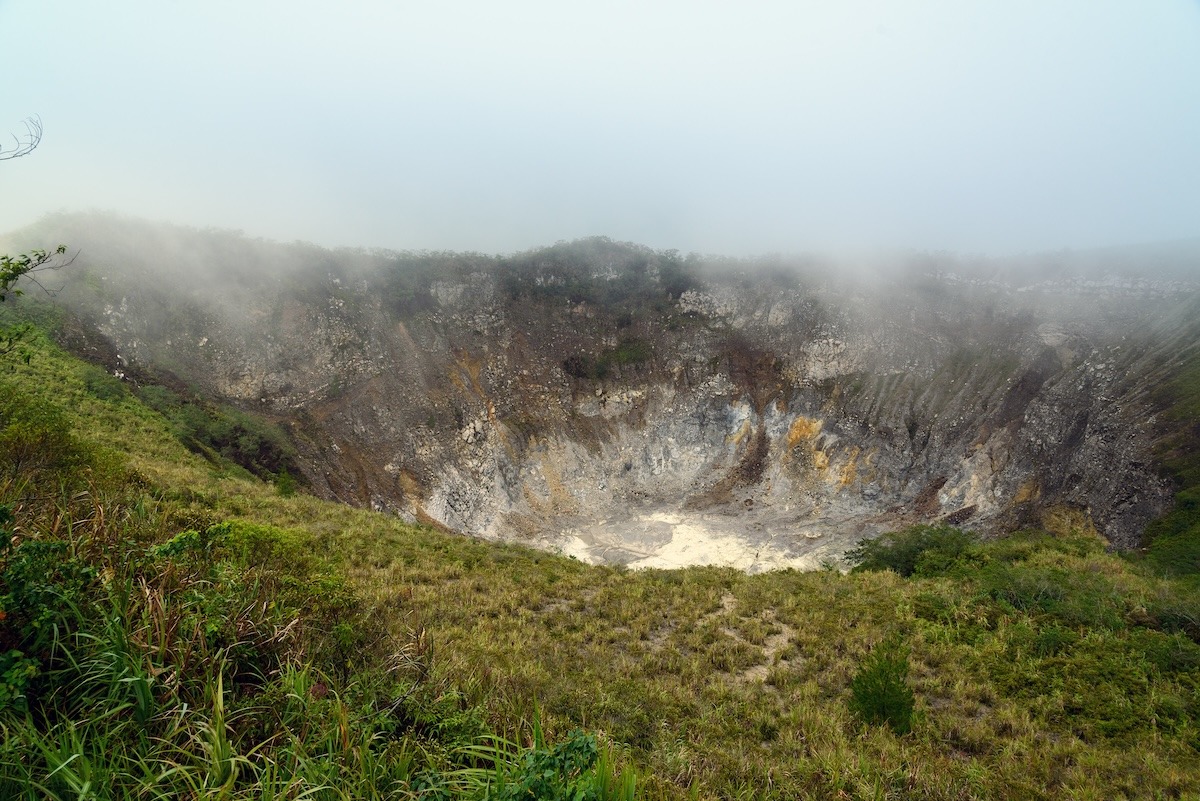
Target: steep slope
{"x": 633, "y": 406}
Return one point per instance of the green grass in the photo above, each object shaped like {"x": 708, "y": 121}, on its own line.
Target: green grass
{"x": 220, "y": 640}
{"x": 1174, "y": 540}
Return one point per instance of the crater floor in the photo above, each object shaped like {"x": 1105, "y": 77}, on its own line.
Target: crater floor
{"x": 670, "y": 538}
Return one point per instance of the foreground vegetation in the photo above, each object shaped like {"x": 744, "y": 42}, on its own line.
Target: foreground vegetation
{"x": 175, "y": 627}
{"x": 149, "y": 651}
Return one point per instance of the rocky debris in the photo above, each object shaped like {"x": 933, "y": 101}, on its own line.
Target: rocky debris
{"x": 473, "y": 433}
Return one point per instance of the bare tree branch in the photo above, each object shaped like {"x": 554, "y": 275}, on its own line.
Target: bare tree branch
{"x": 23, "y": 145}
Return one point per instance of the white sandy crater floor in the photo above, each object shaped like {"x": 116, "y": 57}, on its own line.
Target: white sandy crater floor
{"x": 671, "y": 539}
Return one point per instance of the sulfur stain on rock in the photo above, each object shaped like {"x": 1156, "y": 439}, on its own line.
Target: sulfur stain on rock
{"x": 472, "y": 367}
{"x": 1029, "y": 491}
{"x": 802, "y": 435}
{"x": 849, "y": 470}
{"x": 803, "y": 429}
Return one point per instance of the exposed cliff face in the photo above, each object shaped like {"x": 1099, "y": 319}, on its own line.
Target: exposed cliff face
{"x": 627, "y": 406}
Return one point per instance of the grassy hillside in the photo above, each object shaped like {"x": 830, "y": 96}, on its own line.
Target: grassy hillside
{"x": 176, "y": 627}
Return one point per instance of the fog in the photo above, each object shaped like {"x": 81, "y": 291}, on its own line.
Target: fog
{"x": 983, "y": 128}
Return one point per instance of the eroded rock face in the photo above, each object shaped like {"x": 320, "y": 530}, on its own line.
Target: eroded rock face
{"x": 740, "y": 418}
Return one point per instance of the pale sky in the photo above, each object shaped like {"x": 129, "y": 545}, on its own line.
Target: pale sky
{"x": 980, "y": 126}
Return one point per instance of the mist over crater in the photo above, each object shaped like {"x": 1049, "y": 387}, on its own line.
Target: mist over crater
{"x": 641, "y": 407}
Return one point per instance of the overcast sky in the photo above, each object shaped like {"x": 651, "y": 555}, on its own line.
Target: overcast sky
{"x": 981, "y": 126}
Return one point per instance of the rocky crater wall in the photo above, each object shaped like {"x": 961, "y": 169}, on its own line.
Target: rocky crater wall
{"x": 627, "y": 405}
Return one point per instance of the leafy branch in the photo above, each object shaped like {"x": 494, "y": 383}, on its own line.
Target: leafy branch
{"x": 24, "y": 265}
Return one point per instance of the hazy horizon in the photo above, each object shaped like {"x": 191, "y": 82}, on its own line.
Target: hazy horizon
{"x": 986, "y": 128}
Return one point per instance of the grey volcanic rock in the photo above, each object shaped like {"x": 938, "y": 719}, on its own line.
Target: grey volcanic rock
{"x": 625, "y": 405}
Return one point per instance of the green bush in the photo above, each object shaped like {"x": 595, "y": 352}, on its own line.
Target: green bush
{"x": 285, "y": 483}
{"x": 923, "y": 550}
{"x": 36, "y": 442}
{"x": 879, "y": 691}
{"x": 45, "y": 590}
{"x": 555, "y": 774}
{"x": 17, "y": 672}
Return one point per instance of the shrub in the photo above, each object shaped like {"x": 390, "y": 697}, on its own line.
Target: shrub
{"x": 879, "y": 691}
{"x": 285, "y": 483}
{"x": 36, "y": 442}
{"x": 927, "y": 550}
{"x": 560, "y": 772}
{"x": 17, "y": 672}
{"x": 43, "y": 588}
